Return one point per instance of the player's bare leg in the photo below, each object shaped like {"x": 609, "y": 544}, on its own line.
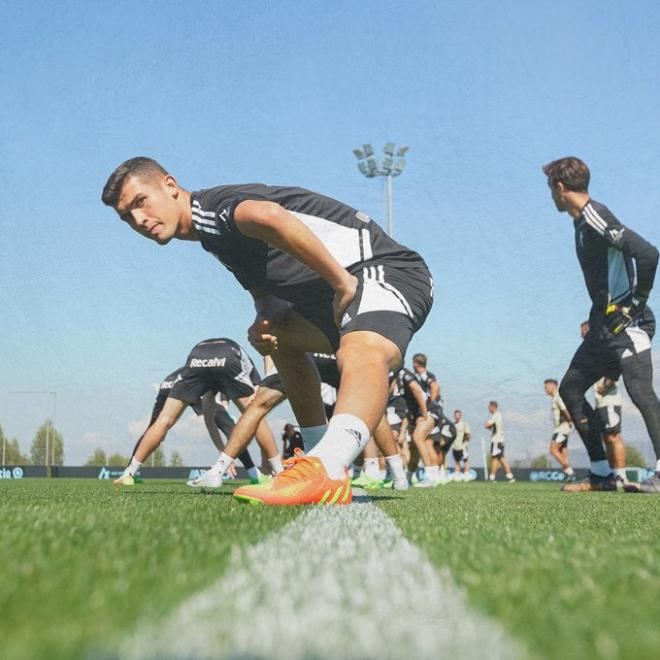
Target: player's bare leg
{"x": 387, "y": 444}
{"x": 494, "y": 467}
{"x": 556, "y": 451}
{"x": 616, "y": 455}
{"x": 507, "y": 469}
{"x": 370, "y": 475}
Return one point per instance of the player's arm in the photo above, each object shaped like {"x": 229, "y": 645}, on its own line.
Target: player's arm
{"x": 489, "y": 424}
{"x": 466, "y": 437}
{"x": 154, "y": 435}
{"x": 641, "y": 252}
{"x": 435, "y": 390}
{"x": 419, "y": 395}
{"x": 273, "y": 224}
{"x": 564, "y": 411}
{"x": 209, "y": 408}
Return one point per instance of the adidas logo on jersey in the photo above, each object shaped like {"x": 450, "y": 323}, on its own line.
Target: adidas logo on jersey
{"x": 346, "y": 318}
{"x": 208, "y": 362}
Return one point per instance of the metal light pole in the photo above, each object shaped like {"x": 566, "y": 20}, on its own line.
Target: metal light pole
{"x": 370, "y": 167}
{"x": 50, "y": 452}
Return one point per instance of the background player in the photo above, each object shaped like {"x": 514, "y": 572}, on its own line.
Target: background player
{"x": 619, "y": 269}
{"x": 561, "y": 421}
{"x": 291, "y": 440}
{"x": 460, "y": 448}
{"x": 213, "y": 365}
{"x": 608, "y": 408}
{"x": 496, "y": 426}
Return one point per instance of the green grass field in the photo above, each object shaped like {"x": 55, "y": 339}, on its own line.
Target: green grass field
{"x": 570, "y": 576}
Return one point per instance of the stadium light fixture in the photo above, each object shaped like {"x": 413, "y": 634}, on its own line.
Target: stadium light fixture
{"x": 388, "y": 168}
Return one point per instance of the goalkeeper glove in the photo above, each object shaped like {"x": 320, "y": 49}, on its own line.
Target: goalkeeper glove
{"x": 618, "y": 317}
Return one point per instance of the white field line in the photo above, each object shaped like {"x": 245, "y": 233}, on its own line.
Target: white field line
{"x": 336, "y": 582}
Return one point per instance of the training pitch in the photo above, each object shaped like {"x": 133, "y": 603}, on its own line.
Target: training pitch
{"x": 464, "y": 570}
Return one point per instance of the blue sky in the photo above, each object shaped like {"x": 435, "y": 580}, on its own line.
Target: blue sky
{"x": 280, "y": 92}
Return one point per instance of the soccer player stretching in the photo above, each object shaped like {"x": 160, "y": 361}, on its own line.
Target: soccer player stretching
{"x": 324, "y": 278}
{"x": 619, "y": 270}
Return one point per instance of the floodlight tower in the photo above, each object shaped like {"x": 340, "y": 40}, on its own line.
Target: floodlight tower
{"x": 389, "y": 168}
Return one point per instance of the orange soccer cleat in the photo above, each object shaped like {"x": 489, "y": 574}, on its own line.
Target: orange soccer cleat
{"x": 305, "y": 481}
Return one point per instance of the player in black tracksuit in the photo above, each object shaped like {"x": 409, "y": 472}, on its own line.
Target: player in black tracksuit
{"x": 619, "y": 269}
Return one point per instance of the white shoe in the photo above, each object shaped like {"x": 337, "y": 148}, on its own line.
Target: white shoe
{"x": 458, "y": 476}
{"x": 401, "y": 485}
{"x": 427, "y": 483}
{"x": 207, "y": 480}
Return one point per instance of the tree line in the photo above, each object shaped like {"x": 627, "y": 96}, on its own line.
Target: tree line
{"x": 48, "y": 436}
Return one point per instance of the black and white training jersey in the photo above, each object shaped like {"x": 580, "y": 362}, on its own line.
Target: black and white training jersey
{"x": 351, "y": 236}
{"x": 404, "y": 379}
{"x": 426, "y": 379}
{"x": 215, "y": 365}
{"x": 606, "y": 250}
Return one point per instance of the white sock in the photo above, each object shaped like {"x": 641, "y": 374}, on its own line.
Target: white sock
{"x": 312, "y": 436}
{"x": 657, "y": 466}
{"x": 253, "y": 472}
{"x": 491, "y": 477}
{"x": 509, "y": 475}
{"x": 346, "y": 437}
{"x": 600, "y": 468}
{"x": 221, "y": 465}
{"x": 395, "y": 464}
{"x": 569, "y": 471}
{"x": 134, "y": 465}
{"x": 621, "y": 472}
{"x": 276, "y": 464}
{"x": 371, "y": 468}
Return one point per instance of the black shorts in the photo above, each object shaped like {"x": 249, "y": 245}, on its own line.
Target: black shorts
{"x": 391, "y": 301}
{"x": 497, "y": 450}
{"x": 560, "y": 438}
{"x": 600, "y": 353}
{"x": 442, "y": 444}
{"x": 273, "y": 382}
{"x": 610, "y": 419}
{"x": 460, "y": 455}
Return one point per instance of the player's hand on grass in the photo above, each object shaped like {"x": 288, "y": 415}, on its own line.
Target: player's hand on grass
{"x": 343, "y": 298}
{"x": 261, "y": 337}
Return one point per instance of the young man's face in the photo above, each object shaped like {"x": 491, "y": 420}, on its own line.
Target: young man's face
{"x": 550, "y": 388}
{"x": 150, "y": 206}
{"x": 557, "y": 191}
{"x": 491, "y": 408}
{"x": 418, "y": 367}
{"x": 458, "y": 415}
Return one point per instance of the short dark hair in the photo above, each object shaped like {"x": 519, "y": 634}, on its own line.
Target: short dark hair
{"x": 570, "y": 171}
{"x": 457, "y": 410}
{"x": 139, "y": 166}
{"x": 420, "y": 358}
{"x": 493, "y": 403}
{"x": 550, "y": 380}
